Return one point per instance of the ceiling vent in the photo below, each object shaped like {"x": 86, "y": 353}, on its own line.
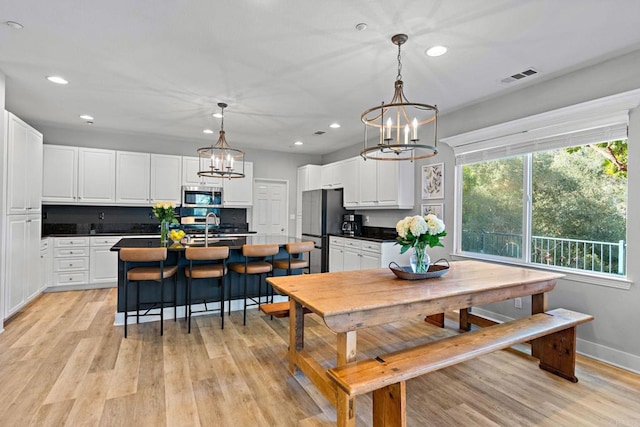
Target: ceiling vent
{"x": 319, "y": 132}
{"x": 529, "y": 72}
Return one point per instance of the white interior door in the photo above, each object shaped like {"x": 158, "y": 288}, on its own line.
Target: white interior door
{"x": 270, "y": 201}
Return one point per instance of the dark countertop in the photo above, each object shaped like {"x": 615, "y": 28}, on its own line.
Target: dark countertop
{"x": 235, "y": 243}
{"x": 157, "y": 235}
{"x": 370, "y": 239}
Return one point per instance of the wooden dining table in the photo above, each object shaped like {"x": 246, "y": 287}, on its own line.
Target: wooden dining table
{"x": 351, "y": 300}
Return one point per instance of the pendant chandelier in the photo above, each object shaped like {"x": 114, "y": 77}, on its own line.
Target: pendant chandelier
{"x": 399, "y": 125}
{"x": 220, "y": 160}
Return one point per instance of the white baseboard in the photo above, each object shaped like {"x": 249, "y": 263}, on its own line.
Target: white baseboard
{"x": 611, "y": 356}
{"x": 83, "y": 287}
{"x": 236, "y": 305}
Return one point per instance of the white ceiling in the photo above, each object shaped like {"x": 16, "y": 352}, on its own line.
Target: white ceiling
{"x": 287, "y": 68}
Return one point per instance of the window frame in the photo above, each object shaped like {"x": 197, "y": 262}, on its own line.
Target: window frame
{"x": 520, "y": 138}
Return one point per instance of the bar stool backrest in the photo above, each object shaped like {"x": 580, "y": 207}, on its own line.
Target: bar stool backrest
{"x": 260, "y": 250}
{"x": 143, "y": 254}
{"x": 207, "y": 253}
{"x": 299, "y": 247}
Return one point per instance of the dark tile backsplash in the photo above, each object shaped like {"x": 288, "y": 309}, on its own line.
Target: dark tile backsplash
{"x": 64, "y": 219}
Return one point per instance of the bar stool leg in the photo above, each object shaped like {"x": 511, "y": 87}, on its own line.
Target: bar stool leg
{"x": 244, "y": 316}
{"x": 126, "y": 300}
{"x": 138, "y": 302}
{"x": 175, "y": 297}
{"x": 161, "y": 302}
{"x": 222, "y": 300}
{"x": 187, "y": 306}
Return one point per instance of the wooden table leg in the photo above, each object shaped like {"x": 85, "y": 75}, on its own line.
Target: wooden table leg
{"x": 464, "y": 319}
{"x": 346, "y": 352}
{"x": 538, "y": 305}
{"x": 296, "y": 333}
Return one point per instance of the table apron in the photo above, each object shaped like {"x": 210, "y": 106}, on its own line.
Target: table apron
{"x": 355, "y": 320}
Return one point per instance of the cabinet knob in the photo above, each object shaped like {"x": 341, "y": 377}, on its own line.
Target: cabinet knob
{"x": 70, "y": 278}
{"x": 71, "y": 252}
{"x": 70, "y": 265}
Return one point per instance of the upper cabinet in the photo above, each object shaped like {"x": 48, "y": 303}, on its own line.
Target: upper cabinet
{"x": 60, "y": 174}
{"x": 96, "y": 176}
{"x": 132, "y": 177}
{"x": 333, "y": 175}
{"x": 24, "y": 167}
{"x": 350, "y": 173}
{"x": 386, "y": 184}
{"x": 166, "y": 178}
{"x": 309, "y": 177}
{"x": 238, "y": 192}
{"x": 190, "y": 168}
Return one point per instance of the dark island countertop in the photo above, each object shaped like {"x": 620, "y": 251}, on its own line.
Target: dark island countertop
{"x": 233, "y": 242}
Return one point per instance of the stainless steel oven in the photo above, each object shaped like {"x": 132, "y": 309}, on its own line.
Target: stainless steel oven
{"x": 201, "y": 197}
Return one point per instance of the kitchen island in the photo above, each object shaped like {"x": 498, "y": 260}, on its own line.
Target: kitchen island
{"x": 201, "y": 292}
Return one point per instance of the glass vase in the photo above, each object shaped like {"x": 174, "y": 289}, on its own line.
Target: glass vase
{"x": 419, "y": 260}
{"x": 164, "y": 232}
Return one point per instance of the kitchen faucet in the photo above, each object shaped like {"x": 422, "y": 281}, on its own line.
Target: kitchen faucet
{"x": 206, "y": 226}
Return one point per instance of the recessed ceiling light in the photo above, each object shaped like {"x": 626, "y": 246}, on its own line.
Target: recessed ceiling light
{"x": 57, "y": 79}
{"x": 334, "y": 125}
{"x": 217, "y": 115}
{"x": 436, "y": 51}
{"x": 14, "y": 25}
{"x": 207, "y": 131}
{"x": 298, "y": 143}
{"x": 86, "y": 117}
{"x": 361, "y": 26}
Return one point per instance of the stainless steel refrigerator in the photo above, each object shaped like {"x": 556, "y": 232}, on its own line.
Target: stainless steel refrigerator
{"x": 322, "y": 212}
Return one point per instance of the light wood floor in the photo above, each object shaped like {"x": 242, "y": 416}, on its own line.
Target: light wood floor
{"x": 62, "y": 362}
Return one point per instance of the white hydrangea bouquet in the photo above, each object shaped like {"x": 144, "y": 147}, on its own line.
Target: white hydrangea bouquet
{"x": 418, "y": 232}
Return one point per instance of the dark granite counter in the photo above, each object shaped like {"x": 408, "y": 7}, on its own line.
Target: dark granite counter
{"x": 374, "y": 234}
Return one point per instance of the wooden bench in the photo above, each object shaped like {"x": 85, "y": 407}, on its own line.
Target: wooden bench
{"x": 554, "y": 332}
{"x": 278, "y": 309}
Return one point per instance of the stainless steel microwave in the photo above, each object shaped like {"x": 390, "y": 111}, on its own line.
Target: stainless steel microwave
{"x": 201, "y": 197}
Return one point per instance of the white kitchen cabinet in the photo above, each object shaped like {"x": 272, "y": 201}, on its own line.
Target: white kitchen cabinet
{"x": 166, "y": 177}
{"x": 336, "y": 254}
{"x": 45, "y": 263}
{"x": 60, "y": 174}
{"x": 352, "y": 249}
{"x": 132, "y": 178}
{"x": 238, "y": 192}
{"x": 96, "y": 176}
{"x": 351, "y": 188}
{"x": 24, "y": 167}
{"x": 190, "y": 168}
{"x": 347, "y": 254}
{"x": 309, "y": 178}
{"x": 386, "y": 184}
{"x": 22, "y": 275}
{"x": 103, "y": 263}
{"x": 332, "y": 175}
{"x": 70, "y": 261}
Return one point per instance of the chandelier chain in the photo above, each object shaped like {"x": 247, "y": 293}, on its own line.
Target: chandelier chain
{"x": 399, "y": 76}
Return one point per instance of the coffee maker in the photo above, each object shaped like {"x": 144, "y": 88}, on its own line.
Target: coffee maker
{"x": 351, "y": 225}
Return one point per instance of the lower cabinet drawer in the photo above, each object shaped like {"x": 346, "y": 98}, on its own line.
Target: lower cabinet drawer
{"x": 70, "y": 278}
{"x": 66, "y": 264}
{"x": 71, "y": 252}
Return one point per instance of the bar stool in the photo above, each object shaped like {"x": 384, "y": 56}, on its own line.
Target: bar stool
{"x": 147, "y": 273}
{"x": 205, "y": 271}
{"x": 295, "y": 263}
{"x": 254, "y": 263}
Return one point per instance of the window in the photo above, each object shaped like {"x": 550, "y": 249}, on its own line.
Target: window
{"x": 548, "y": 190}
{"x": 575, "y": 217}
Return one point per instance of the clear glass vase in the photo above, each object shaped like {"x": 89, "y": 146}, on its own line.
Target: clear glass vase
{"x": 420, "y": 260}
{"x": 164, "y": 232}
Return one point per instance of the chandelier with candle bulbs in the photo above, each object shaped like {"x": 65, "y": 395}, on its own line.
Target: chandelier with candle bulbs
{"x": 220, "y": 160}
{"x": 402, "y": 130}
